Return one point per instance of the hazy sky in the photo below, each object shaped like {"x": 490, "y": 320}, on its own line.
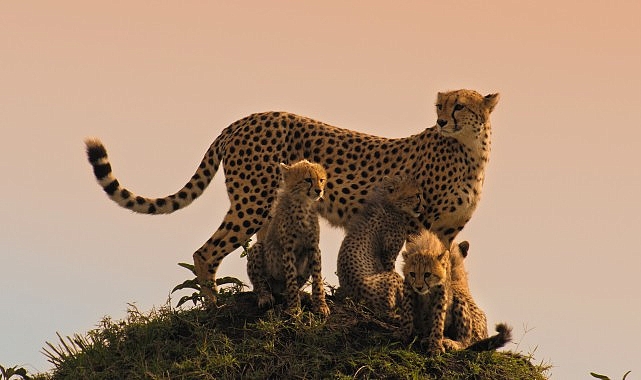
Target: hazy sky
{"x": 553, "y": 242}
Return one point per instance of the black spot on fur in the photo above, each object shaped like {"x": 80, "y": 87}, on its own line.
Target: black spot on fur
{"x": 112, "y": 187}
{"x": 102, "y": 170}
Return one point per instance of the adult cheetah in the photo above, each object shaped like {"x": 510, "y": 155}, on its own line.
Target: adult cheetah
{"x": 374, "y": 238}
{"x": 448, "y": 160}
{"x": 287, "y": 250}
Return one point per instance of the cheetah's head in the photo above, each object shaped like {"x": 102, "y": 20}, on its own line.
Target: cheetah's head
{"x": 463, "y": 114}
{"x": 304, "y": 178}
{"x": 426, "y": 263}
{"x": 404, "y": 193}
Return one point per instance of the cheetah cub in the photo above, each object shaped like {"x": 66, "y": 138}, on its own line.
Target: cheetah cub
{"x": 437, "y": 304}
{"x": 373, "y": 241}
{"x": 287, "y": 251}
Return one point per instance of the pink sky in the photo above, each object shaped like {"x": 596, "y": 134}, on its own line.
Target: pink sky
{"x": 553, "y": 249}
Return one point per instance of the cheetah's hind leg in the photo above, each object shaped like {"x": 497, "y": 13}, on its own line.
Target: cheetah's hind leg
{"x": 319, "y": 304}
{"x": 231, "y": 234}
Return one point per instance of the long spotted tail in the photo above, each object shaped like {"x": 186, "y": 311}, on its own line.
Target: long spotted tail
{"x": 97, "y": 155}
{"x": 503, "y": 336}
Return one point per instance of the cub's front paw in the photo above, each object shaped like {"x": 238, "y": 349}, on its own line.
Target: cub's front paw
{"x": 265, "y": 300}
{"x": 322, "y": 309}
{"x": 434, "y": 346}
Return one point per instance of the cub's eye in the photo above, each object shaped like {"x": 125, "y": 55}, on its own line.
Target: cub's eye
{"x": 439, "y": 107}
{"x": 426, "y": 276}
{"x": 308, "y": 180}
{"x": 322, "y": 180}
{"x": 458, "y": 107}
{"x": 412, "y": 274}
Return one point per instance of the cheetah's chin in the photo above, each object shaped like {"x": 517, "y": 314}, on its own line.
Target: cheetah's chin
{"x": 422, "y": 292}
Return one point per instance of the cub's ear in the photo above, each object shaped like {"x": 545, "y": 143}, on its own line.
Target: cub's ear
{"x": 284, "y": 170}
{"x": 490, "y": 101}
{"x": 284, "y": 167}
{"x": 464, "y": 247}
{"x": 387, "y": 184}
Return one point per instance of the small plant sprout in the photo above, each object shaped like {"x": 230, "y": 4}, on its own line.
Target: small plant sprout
{"x": 603, "y": 377}
{"x": 227, "y": 286}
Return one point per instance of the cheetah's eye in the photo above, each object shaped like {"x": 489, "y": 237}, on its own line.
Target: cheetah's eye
{"x": 439, "y": 107}
{"x": 426, "y": 276}
{"x": 308, "y": 180}
{"x": 412, "y": 274}
{"x": 458, "y": 107}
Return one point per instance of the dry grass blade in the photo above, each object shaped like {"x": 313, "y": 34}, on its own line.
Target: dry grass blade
{"x": 65, "y": 349}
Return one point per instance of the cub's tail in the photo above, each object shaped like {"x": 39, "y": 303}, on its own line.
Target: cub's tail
{"x": 503, "y": 336}
{"x": 97, "y": 155}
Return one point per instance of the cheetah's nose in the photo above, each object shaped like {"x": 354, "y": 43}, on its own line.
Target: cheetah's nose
{"x": 441, "y": 122}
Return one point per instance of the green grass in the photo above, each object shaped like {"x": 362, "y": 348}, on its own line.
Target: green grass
{"x": 236, "y": 340}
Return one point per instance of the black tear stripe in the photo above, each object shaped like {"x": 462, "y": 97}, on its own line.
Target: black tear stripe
{"x": 453, "y": 111}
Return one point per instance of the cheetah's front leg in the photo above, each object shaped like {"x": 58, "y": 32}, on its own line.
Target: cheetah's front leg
{"x": 434, "y": 340}
{"x": 406, "y": 327}
{"x": 318, "y": 291}
{"x": 291, "y": 277}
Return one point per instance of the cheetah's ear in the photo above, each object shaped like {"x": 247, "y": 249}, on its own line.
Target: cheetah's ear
{"x": 284, "y": 168}
{"x": 464, "y": 247}
{"x": 490, "y": 101}
{"x": 405, "y": 255}
{"x": 387, "y": 184}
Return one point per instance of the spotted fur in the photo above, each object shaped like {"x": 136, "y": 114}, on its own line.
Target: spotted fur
{"x": 447, "y": 160}
{"x": 437, "y": 305}
{"x": 374, "y": 238}
{"x": 287, "y": 250}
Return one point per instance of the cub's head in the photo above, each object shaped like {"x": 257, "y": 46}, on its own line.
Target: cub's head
{"x": 304, "y": 178}
{"x": 404, "y": 193}
{"x": 462, "y": 114}
{"x": 426, "y": 263}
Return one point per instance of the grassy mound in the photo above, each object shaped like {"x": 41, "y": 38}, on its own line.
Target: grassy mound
{"x": 238, "y": 341}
